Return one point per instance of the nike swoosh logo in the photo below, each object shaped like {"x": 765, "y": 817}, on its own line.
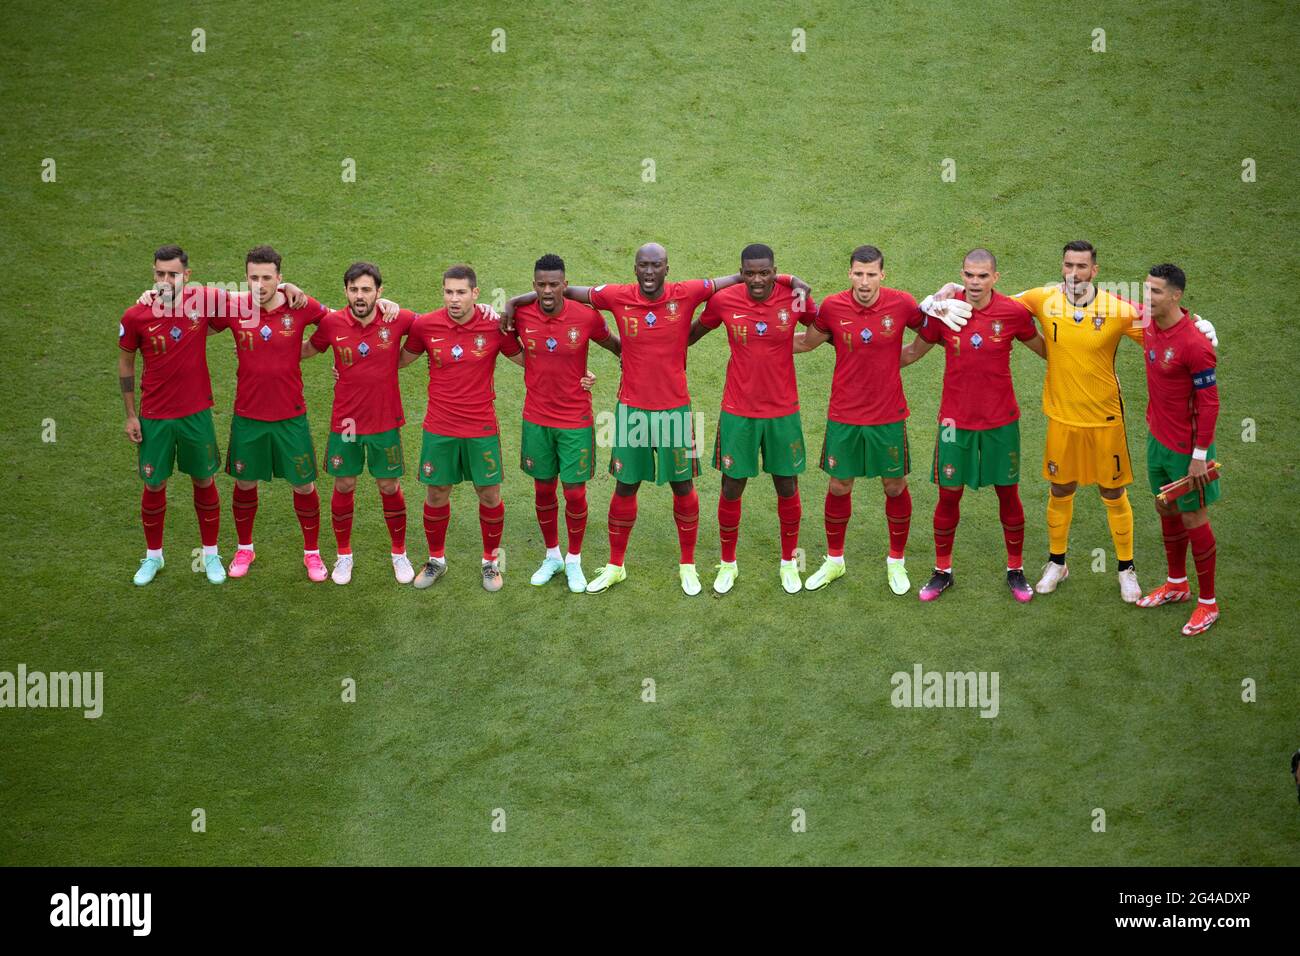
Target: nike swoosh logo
{"x": 155, "y": 328}
{"x": 741, "y": 315}
{"x": 530, "y": 331}
{"x": 435, "y": 340}
{"x": 339, "y": 338}
{"x": 846, "y": 321}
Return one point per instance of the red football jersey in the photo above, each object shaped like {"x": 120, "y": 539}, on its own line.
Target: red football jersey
{"x": 175, "y": 380}
{"x": 555, "y": 360}
{"x": 977, "y": 389}
{"x": 867, "y": 388}
{"x": 1182, "y": 382}
{"x": 462, "y": 359}
{"x": 365, "y": 356}
{"x": 654, "y": 336}
{"x": 268, "y": 345}
{"x": 760, "y": 373}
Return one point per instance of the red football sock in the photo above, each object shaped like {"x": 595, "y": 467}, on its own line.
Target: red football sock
{"x": 575, "y": 516}
{"x": 395, "y": 518}
{"x": 307, "y": 507}
{"x": 491, "y": 522}
{"x": 1012, "y": 513}
{"x": 839, "y": 508}
{"x": 435, "y": 528}
{"x": 341, "y": 516}
{"x": 686, "y": 515}
{"x": 898, "y": 514}
{"x": 622, "y": 516}
{"x": 789, "y": 512}
{"x": 548, "y": 511}
{"x": 207, "y": 505}
{"x": 947, "y": 513}
{"x": 1175, "y": 534}
{"x": 243, "y": 504}
{"x": 728, "y": 526}
{"x": 153, "y": 512}
{"x": 1203, "y": 553}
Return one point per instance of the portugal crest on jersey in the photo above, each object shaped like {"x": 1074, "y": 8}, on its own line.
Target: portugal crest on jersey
{"x": 573, "y": 336}
{"x": 286, "y": 322}
{"x": 1098, "y": 322}
{"x": 1168, "y": 355}
{"x": 783, "y": 316}
{"x": 672, "y": 307}
{"x": 479, "y": 343}
{"x": 887, "y": 324}
{"x": 997, "y": 326}
{"x": 384, "y": 335}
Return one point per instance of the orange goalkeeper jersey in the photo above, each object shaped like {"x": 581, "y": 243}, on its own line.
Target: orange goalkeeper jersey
{"x": 1080, "y": 387}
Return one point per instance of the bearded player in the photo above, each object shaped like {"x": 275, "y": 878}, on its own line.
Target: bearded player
{"x": 367, "y": 418}
{"x": 760, "y": 404}
{"x": 1086, "y": 443}
{"x": 559, "y": 440}
{"x": 866, "y": 422}
{"x": 269, "y": 434}
{"x": 174, "y": 426}
{"x": 1182, "y": 410}
{"x": 462, "y": 441}
{"x": 979, "y": 420}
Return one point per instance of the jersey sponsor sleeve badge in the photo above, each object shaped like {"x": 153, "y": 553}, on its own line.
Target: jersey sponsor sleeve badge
{"x": 1204, "y": 379}
{"x": 1151, "y": 355}
{"x": 121, "y": 330}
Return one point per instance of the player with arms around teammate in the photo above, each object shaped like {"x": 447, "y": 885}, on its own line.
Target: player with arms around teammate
{"x": 269, "y": 434}
{"x": 866, "y": 423}
{"x": 1182, "y": 409}
{"x": 174, "y": 424}
{"x": 979, "y": 421}
{"x": 559, "y": 440}
{"x": 760, "y": 404}
{"x": 366, "y": 424}
{"x": 461, "y": 437}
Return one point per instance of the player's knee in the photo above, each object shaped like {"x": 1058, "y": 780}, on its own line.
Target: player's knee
{"x": 682, "y": 487}
{"x": 160, "y": 486}
{"x": 1111, "y": 494}
{"x": 626, "y": 490}
{"x": 1065, "y": 490}
{"x": 202, "y": 482}
{"x": 304, "y": 489}
{"x": 842, "y": 486}
{"x": 732, "y": 488}
{"x": 574, "y": 485}
{"x": 1194, "y": 519}
{"x": 245, "y": 485}
{"x": 893, "y": 486}
{"x": 437, "y": 495}
{"x": 787, "y": 486}
{"x": 489, "y": 495}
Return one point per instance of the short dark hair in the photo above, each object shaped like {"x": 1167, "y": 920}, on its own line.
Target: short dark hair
{"x": 1171, "y": 274}
{"x": 865, "y": 254}
{"x": 757, "y": 250}
{"x": 263, "y": 254}
{"x": 462, "y": 272}
{"x": 1080, "y": 245}
{"x": 166, "y": 253}
{"x": 549, "y": 263}
{"x": 359, "y": 269}
{"x": 981, "y": 255}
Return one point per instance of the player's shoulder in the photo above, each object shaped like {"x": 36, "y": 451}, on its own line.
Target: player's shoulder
{"x": 1012, "y": 305}
{"x": 333, "y": 317}
{"x": 895, "y": 297}
{"x": 575, "y": 310}
{"x": 136, "y": 313}
{"x": 837, "y": 300}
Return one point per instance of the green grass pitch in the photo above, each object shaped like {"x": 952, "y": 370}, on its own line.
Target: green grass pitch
{"x": 229, "y": 699}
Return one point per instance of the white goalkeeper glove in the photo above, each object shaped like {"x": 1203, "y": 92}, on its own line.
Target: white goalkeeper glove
{"x": 953, "y": 313}
{"x": 1207, "y": 329}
